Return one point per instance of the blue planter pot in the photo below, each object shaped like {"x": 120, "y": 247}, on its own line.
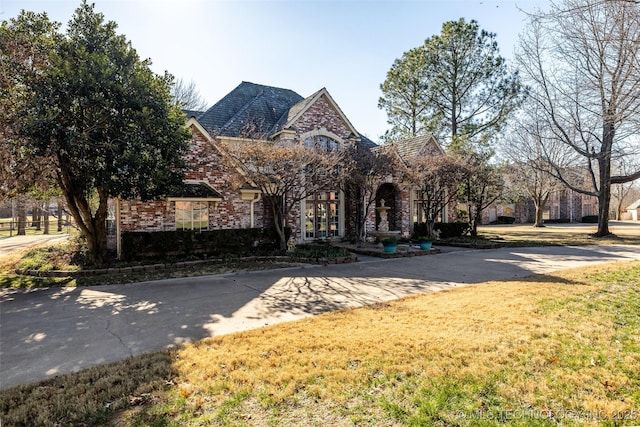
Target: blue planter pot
{"x": 425, "y": 245}
{"x": 390, "y": 248}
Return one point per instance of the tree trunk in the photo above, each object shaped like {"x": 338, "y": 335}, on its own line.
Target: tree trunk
{"x": 539, "y": 214}
{"x": 22, "y": 216}
{"x": 92, "y": 227}
{"x": 540, "y": 202}
{"x": 278, "y": 221}
{"x": 60, "y": 214}
{"x": 35, "y": 216}
{"x": 45, "y": 217}
{"x": 604, "y": 166}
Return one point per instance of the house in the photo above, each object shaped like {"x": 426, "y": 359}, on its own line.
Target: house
{"x": 633, "y": 211}
{"x": 210, "y": 202}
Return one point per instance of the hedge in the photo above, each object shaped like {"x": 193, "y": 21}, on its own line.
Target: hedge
{"x": 590, "y": 219}
{"x": 446, "y": 229}
{"x": 503, "y": 220}
{"x": 217, "y": 243}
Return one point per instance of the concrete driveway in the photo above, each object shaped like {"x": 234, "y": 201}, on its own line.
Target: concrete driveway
{"x": 48, "y": 332}
{"x": 10, "y": 244}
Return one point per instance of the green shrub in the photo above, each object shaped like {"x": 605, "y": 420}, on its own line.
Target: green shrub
{"x": 590, "y": 219}
{"x": 504, "y": 220}
{"x": 557, "y": 221}
{"x": 183, "y": 243}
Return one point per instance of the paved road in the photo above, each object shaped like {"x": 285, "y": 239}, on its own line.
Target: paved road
{"x": 47, "y": 332}
{"x": 10, "y": 244}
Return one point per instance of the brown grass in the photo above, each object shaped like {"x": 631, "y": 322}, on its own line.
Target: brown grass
{"x": 561, "y": 234}
{"x": 530, "y": 352}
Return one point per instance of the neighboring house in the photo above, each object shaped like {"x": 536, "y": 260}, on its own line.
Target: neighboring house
{"x": 563, "y": 205}
{"x": 633, "y": 211}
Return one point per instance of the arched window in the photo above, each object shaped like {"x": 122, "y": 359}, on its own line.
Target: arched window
{"x": 322, "y": 142}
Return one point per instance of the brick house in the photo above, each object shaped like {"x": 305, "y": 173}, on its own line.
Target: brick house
{"x": 210, "y": 202}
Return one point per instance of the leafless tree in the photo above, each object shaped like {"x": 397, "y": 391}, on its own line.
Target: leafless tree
{"x": 369, "y": 169}
{"x": 582, "y": 62}
{"x": 286, "y": 172}
{"x": 187, "y": 96}
{"x": 529, "y": 173}
{"x": 437, "y": 179}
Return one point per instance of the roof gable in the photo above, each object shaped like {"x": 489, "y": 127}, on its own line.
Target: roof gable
{"x": 299, "y": 109}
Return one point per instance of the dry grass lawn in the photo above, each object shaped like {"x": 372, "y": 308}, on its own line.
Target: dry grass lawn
{"x": 549, "y": 350}
{"x": 624, "y": 232}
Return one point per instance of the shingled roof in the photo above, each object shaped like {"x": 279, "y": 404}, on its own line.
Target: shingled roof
{"x": 249, "y": 104}
{"x": 266, "y": 109}
{"x": 410, "y": 148}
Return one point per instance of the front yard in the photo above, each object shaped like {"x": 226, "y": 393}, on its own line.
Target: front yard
{"x": 541, "y": 351}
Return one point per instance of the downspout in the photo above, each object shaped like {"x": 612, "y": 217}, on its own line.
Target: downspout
{"x": 256, "y": 198}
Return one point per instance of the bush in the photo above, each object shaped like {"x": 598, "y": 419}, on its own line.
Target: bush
{"x": 590, "y": 219}
{"x": 557, "y": 221}
{"x": 182, "y": 243}
{"x": 504, "y": 220}
{"x": 452, "y": 229}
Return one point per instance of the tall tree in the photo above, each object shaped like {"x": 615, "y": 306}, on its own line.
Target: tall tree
{"x": 405, "y": 96}
{"x": 101, "y": 116}
{"x": 529, "y": 173}
{"x": 582, "y": 61}
{"x": 455, "y": 85}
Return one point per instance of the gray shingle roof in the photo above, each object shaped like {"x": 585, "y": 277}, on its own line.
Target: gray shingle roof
{"x": 264, "y": 108}
{"x": 249, "y": 104}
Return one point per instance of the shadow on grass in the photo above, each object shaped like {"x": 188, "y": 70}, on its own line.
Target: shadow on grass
{"x": 96, "y": 392}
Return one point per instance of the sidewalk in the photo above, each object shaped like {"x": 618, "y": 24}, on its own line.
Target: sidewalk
{"x": 48, "y": 332}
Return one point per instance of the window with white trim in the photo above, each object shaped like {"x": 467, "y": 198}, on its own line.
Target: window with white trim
{"x": 192, "y": 215}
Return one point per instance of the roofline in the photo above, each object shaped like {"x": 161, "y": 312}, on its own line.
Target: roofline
{"x": 313, "y": 100}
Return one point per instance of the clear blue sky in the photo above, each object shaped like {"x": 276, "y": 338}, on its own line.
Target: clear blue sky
{"x": 345, "y": 46}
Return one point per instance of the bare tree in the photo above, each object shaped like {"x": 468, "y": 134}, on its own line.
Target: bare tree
{"x": 437, "y": 178}
{"x": 529, "y": 172}
{"x": 187, "y": 97}
{"x": 286, "y": 172}
{"x": 582, "y": 62}
{"x": 370, "y": 167}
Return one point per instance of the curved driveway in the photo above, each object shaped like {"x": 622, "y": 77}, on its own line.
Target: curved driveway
{"x": 47, "y": 332}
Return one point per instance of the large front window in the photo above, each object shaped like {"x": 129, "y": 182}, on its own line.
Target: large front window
{"x": 322, "y": 215}
{"x": 192, "y": 216}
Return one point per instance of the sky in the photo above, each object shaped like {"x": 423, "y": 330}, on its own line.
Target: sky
{"x": 346, "y": 46}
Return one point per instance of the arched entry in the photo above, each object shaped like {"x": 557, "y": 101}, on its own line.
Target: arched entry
{"x": 389, "y": 194}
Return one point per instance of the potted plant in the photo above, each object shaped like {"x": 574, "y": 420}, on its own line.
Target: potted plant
{"x": 390, "y": 244}
{"x": 425, "y": 242}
